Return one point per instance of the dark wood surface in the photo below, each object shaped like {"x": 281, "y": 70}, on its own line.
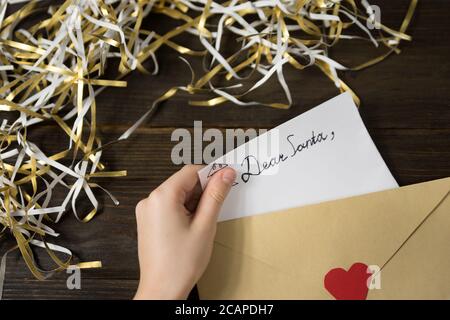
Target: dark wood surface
{"x": 405, "y": 105}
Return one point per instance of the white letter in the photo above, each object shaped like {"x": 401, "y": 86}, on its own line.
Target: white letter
{"x": 74, "y": 281}
{"x": 241, "y": 137}
{"x": 215, "y": 149}
{"x": 184, "y": 147}
{"x": 374, "y": 281}
{"x": 198, "y": 142}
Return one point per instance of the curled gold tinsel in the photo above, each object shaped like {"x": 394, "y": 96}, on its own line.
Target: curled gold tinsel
{"x": 52, "y": 71}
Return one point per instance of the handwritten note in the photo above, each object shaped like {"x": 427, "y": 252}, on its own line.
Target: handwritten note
{"x": 323, "y": 154}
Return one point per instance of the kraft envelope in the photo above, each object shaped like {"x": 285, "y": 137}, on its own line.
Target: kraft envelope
{"x": 287, "y": 254}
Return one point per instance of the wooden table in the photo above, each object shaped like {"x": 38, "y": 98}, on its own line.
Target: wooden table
{"x": 405, "y": 106}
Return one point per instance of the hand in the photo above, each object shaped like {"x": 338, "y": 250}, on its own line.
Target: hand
{"x": 175, "y": 243}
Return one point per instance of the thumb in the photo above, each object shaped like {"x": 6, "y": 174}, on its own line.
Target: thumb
{"x": 213, "y": 197}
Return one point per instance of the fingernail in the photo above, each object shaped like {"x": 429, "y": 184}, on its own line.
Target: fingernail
{"x": 228, "y": 176}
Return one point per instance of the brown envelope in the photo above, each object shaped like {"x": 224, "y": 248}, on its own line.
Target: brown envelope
{"x": 288, "y": 254}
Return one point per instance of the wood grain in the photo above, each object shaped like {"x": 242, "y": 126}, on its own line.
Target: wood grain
{"x": 405, "y": 105}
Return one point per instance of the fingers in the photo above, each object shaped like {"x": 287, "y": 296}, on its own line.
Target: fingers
{"x": 213, "y": 197}
{"x": 182, "y": 182}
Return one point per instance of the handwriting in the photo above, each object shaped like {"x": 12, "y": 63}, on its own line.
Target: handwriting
{"x": 254, "y": 167}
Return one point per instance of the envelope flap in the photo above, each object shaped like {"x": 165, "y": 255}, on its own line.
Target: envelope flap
{"x": 244, "y": 277}
{"x": 306, "y": 242}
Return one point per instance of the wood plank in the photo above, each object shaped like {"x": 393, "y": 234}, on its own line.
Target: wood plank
{"x": 409, "y": 90}
{"x": 56, "y": 289}
{"x": 405, "y": 107}
{"x": 413, "y": 156}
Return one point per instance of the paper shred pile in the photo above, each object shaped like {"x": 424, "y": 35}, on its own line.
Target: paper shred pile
{"x": 51, "y": 72}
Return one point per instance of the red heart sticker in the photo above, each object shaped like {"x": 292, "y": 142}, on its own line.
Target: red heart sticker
{"x": 348, "y": 285}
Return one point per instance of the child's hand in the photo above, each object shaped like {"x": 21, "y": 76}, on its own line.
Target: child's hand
{"x": 175, "y": 244}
